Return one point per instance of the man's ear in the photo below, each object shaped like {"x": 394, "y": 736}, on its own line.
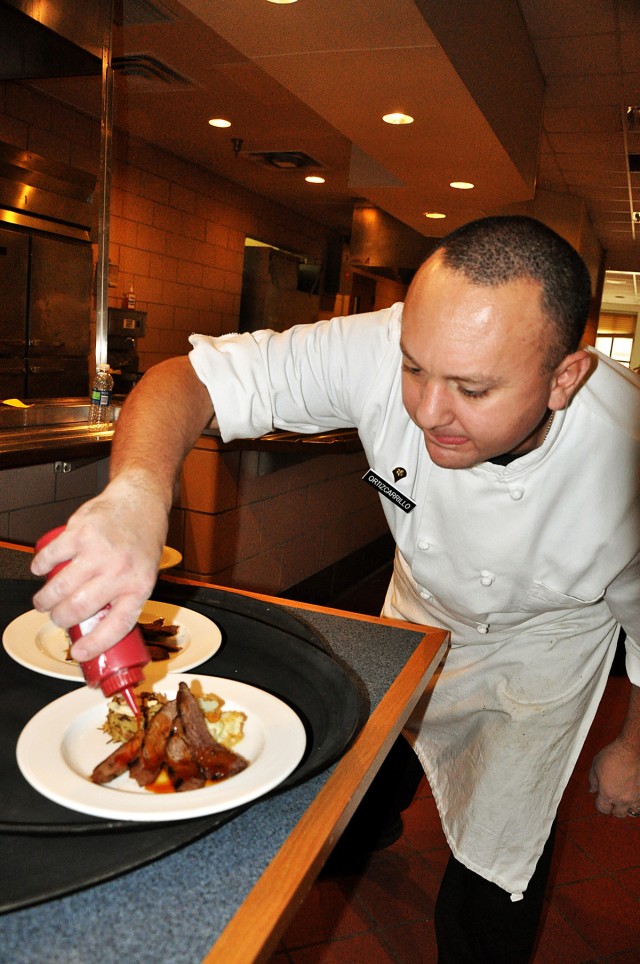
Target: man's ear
{"x": 567, "y": 378}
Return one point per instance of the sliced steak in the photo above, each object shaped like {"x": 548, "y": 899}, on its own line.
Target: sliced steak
{"x": 183, "y": 769}
{"x": 146, "y": 768}
{"x": 119, "y": 761}
{"x": 215, "y": 760}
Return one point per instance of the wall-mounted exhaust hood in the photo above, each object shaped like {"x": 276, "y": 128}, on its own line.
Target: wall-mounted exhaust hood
{"x": 61, "y": 39}
{"x": 44, "y": 195}
{"x": 384, "y": 245}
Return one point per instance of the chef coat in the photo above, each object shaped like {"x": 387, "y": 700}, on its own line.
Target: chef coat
{"x": 531, "y": 566}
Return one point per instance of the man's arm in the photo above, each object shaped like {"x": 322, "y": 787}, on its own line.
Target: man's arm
{"x": 114, "y": 541}
{"x": 615, "y": 773}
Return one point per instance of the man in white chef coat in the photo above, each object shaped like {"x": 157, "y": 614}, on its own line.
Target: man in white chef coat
{"x": 507, "y": 460}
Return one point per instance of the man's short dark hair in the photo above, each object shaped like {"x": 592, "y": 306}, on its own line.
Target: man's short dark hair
{"x": 496, "y": 250}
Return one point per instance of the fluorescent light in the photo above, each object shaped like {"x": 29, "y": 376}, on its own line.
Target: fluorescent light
{"x": 462, "y": 185}
{"x": 314, "y": 179}
{"x": 219, "y": 122}
{"x": 435, "y": 215}
{"x": 397, "y": 118}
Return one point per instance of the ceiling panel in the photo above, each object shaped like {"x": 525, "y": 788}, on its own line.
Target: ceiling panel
{"x": 316, "y": 76}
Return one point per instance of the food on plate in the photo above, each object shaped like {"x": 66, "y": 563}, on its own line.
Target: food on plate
{"x": 178, "y": 744}
{"x": 160, "y": 640}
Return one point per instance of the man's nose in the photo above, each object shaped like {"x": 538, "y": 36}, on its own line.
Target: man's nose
{"x": 435, "y": 407}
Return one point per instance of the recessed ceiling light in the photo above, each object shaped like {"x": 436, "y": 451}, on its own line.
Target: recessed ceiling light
{"x": 314, "y": 179}
{"x": 397, "y": 118}
{"x": 219, "y": 122}
{"x": 434, "y": 215}
{"x": 282, "y": 1}
{"x": 462, "y": 185}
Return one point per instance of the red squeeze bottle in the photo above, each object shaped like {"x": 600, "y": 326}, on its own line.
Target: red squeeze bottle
{"x": 120, "y": 668}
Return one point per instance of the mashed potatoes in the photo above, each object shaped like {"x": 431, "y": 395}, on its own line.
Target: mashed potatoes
{"x": 226, "y": 726}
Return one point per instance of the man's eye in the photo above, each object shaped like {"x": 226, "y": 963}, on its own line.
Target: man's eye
{"x": 410, "y": 369}
{"x": 471, "y": 393}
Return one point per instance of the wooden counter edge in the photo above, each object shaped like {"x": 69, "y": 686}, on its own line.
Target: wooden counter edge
{"x": 254, "y": 931}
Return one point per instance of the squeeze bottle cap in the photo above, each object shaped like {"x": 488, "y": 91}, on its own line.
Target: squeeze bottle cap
{"x": 119, "y": 668}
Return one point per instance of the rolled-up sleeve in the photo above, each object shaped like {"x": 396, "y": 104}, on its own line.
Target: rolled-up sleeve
{"x": 307, "y": 379}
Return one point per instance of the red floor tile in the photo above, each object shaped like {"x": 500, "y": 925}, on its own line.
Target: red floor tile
{"x": 411, "y": 943}
{"x": 559, "y": 943}
{"x": 326, "y": 914}
{"x": 614, "y": 844}
{"x": 570, "y": 863}
{"x": 601, "y": 912}
{"x": 397, "y": 888}
{"x": 353, "y": 950}
{"x": 630, "y": 880}
{"x": 422, "y": 828}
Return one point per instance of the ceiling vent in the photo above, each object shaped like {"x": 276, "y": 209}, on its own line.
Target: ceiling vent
{"x": 138, "y": 13}
{"x": 148, "y": 71}
{"x": 283, "y": 160}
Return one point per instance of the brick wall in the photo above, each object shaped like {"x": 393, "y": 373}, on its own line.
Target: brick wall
{"x": 176, "y": 230}
{"x": 267, "y": 521}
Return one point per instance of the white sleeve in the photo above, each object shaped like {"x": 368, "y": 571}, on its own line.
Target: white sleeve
{"x": 307, "y": 379}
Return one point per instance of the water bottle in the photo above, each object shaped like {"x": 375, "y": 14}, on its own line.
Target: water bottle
{"x": 119, "y": 669}
{"x": 101, "y": 407}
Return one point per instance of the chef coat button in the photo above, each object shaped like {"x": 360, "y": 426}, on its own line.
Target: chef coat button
{"x": 424, "y": 545}
{"x": 483, "y": 627}
{"x": 516, "y": 493}
{"x": 486, "y": 577}
{"x": 425, "y": 594}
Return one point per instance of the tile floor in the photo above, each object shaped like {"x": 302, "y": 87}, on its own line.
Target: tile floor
{"x": 385, "y": 913}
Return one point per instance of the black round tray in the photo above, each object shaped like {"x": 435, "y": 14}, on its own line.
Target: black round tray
{"x": 262, "y": 644}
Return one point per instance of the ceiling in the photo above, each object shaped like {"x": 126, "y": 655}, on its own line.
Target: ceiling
{"x": 515, "y": 97}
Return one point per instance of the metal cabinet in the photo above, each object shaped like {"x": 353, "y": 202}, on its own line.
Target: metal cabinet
{"x": 45, "y": 306}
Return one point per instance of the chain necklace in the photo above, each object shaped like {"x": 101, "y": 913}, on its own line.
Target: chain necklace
{"x": 549, "y": 424}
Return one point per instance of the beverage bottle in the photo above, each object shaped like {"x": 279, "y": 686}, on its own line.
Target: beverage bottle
{"x": 101, "y": 407}
{"x": 131, "y": 299}
{"x": 120, "y": 668}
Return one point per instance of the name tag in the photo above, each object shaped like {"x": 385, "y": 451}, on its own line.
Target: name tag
{"x": 388, "y": 491}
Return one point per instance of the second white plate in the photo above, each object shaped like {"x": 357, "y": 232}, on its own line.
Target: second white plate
{"x": 35, "y": 642}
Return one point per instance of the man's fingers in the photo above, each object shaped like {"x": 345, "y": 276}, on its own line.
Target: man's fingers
{"x": 116, "y": 623}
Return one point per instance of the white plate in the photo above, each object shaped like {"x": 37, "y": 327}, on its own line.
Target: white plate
{"x": 60, "y": 746}
{"x": 35, "y": 642}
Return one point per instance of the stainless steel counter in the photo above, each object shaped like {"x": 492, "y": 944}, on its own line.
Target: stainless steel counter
{"x": 52, "y": 429}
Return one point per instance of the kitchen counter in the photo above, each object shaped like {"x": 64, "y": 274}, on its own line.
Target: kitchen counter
{"x": 230, "y": 895}
{"x": 57, "y": 429}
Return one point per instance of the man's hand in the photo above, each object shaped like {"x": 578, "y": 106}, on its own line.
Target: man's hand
{"x": 615, "y": 778}
{"x": 113, "y": 544}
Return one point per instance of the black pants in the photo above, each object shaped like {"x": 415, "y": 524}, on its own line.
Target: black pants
{"x": 478, "y": 923}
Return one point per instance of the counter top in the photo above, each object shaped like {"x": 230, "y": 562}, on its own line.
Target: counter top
{"x": 230, "y": 895}
{"x": 56, "y": 429}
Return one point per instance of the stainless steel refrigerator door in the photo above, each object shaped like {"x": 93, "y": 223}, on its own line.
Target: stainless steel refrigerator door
{"x": 60, "y": 298}
{"x": 14, "y": 278}
{"x": 12, "y": 377}
{"x": 57, "y": 377}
